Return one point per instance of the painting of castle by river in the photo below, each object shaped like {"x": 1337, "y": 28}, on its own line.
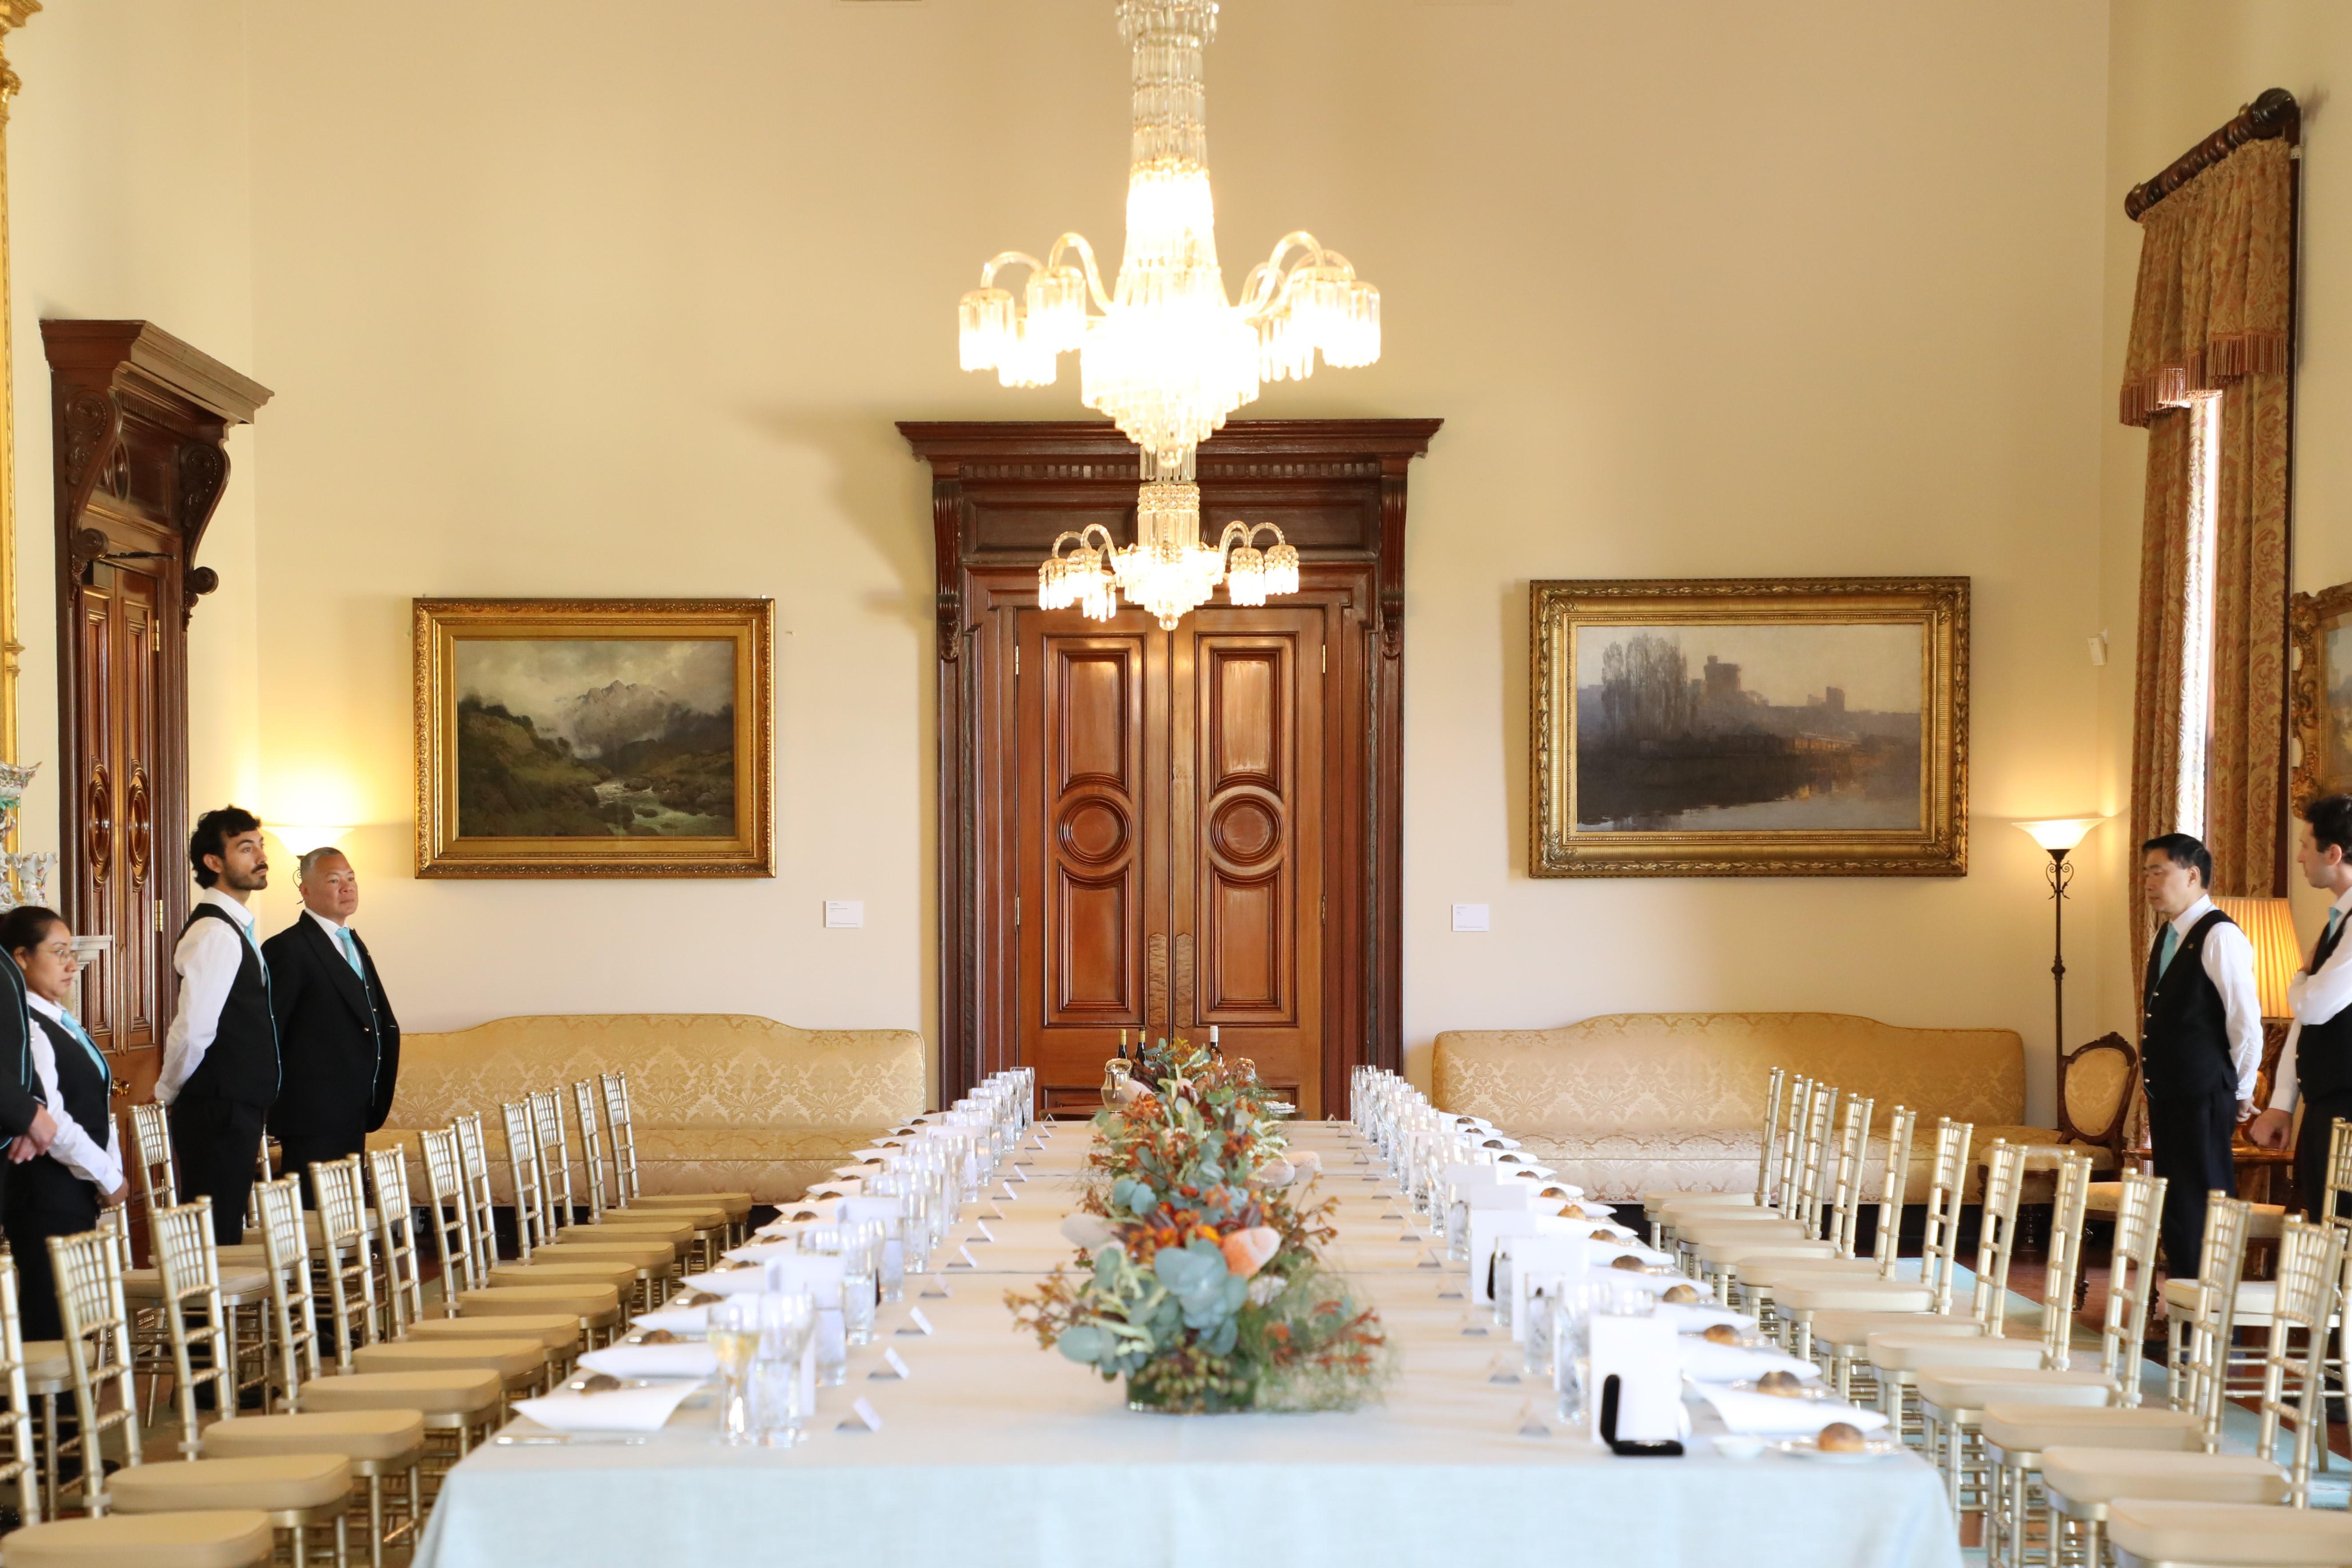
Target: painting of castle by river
{"x": 587, "y": 738}
{"x": 1742, "y": 728}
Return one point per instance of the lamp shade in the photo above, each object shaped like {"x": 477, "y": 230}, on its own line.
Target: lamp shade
{"x": 2269, "y": 924}
{"x": 2061, "y": 832}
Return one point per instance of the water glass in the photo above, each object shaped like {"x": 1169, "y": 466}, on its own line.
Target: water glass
{"x": 779, "y": 1399}
{"x": 1571, "y": 1349}
{"x": 855, "y": 1245}
{"x": 733, "y": 1335}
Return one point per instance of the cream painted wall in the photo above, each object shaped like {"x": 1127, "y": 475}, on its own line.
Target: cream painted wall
{"x": 130, "y": 198}
{"x": 2180, "y": 67}
{"x": 585, "y": 300}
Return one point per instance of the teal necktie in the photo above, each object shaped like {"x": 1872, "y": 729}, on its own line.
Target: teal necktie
{"x": 2170, "y": 945}
{"x": 73, "y": 1028}
{"x": 351, "y": 952}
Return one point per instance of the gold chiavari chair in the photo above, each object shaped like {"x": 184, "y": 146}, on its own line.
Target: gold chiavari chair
{"x": 2082, "y": 1484}
{"x": 474, "y": 1162}
{"x": 395, "y": 1233}
{"x": 620, "y": 1121}
{"x": 1778, "y": 1178}
{"x": 558, "y": 1332}
{"x": 593, "y": 1309}
{"x": 297, "y": 1492}
{"x": 223, "y": 1539}
{"x": 652, "y": 1253}
{"x": 458, "y": 1407}
{"x": 533, "y": 1267}
{"x": 1717, "y": 1254}
{"x": 1847, "y": 1355}
{"x": 2005, "y": 1429}
{"x": 1655, "y": 1203}
{"x": 704, "y": 1230}
{"x": 384, "y": 1448}
{"x": 159, "y": 1180}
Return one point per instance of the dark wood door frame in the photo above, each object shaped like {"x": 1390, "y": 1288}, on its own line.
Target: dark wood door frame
{"x": 138, "y": 423}
{"x": 1000, "y": 493}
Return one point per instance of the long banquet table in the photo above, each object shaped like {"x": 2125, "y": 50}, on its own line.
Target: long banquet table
{"x": 995, "y": 1453}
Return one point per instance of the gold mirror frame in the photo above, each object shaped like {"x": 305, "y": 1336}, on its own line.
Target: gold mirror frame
{"x": 14, "y": 13}
{"x": 2308, "y": 619}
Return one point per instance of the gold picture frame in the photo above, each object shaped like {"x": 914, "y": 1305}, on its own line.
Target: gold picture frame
{"x": 2322, "y": 723}
{"x": 1646, "y": 762}
{"x": 594, "y": 738}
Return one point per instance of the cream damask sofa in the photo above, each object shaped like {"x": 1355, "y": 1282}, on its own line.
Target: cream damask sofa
{"x": 722, "y": 1101}
{"x": 1638, "y": 1102}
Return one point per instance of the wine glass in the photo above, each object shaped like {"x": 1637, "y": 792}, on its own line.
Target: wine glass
{"x": 734, "y": 1339}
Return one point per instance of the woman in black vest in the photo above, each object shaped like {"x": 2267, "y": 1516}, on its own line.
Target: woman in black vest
{"x": 61, "y": 1193}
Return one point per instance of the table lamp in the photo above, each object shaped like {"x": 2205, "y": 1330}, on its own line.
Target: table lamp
{"x": 2059, "y": 836}
{"x": 2269, "y": 924}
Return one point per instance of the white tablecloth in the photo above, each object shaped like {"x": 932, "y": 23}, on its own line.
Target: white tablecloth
{"x": 997, "y": 1454}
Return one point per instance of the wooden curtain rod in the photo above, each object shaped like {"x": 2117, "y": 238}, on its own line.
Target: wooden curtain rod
{"x": 2276, "y": 115}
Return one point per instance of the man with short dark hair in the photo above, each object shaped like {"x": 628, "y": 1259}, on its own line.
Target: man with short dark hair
{"x": 341, "y": 1041}
{"x": 2201, "y": 1040}
{"x": 220, "y": 1056}
{"x": 2316, "y": 1063}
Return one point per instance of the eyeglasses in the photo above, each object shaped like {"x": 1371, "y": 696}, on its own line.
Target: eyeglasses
{"x": 61, "y": 950}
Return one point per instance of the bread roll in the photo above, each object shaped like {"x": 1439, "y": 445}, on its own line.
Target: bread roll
{"x": 1681, "y": 1293}
{"x": 1721, "y": 1334}
{"x": 1630, "y": 1263}
{"x": 1840, "y": 1437}
{"x": 1784, "y": 1385}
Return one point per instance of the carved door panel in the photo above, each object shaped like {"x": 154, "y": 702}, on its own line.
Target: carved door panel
{"x": 117, "y": 724}
{"x": 1168, "y": 840}
{"x": 1245, "y": 849}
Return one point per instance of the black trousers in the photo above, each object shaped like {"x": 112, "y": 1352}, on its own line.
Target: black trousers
{"x": 301, "y": 1150}
{"x": 44, "y": 1199}
{"x": 2188, "y": 1137}
{"x": 2311, "y": 1150}
{"x": 218, "y": 1143}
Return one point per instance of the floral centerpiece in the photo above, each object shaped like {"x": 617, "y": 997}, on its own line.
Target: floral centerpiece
{"x": 1199, "y": 1279}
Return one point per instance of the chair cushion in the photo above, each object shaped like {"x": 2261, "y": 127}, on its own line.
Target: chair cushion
{"x": 1651, "y": 1202}
{"x": 1867, "y": 1294}
{"x": 2244, "y": 1535}
{"x": 1842, "y": 1330}
{"x": 587, "y": 1298}
{"x": 2103, "y": 1474}
{"x": 353, "y": 1433}
{"x": 2019, "y": 1428}
{"x": 1973, "y": 1388}
{"x": 225, "y": 1538}
{"x": 570, "y": 1272}
{"x": 702, "y": 1216}
{"x": 553, "y": 1330}
{"x": 2045, "y": 1148}
{"x": 628, "y": 1228}
{"x": 738, "y": 1205}
{"x": 1699, "y": 1232}
{"x": 455, "y": 1392}
{"x": 1898, "y": 1351}
{"x": 268, "y": 1482}
{"x": 511, "y": 1359}
{"x": 1771, "y": 1271}
{"x": 1723, "y": 1253}
{"x": 2266, "y": 1222}
{"x": 2257, "y": 1299}
{"x": 651, "y": 1253}
{"x": 46, "y": 1360}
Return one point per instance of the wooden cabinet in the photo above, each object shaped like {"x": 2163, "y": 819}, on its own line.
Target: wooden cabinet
{"x": 139, "y": 419}
{"x": 1159, "y": 831}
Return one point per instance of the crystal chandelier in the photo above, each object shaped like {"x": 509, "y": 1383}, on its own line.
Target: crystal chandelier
{"x": 1168, "y": 358}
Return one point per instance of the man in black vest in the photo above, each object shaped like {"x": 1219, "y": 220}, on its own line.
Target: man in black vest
{"x": 2316, "y": 1063}
{"x": 342, "y": 1043}
{"x": 2201, "y": 1040}
{"x": 220, "y": 1056}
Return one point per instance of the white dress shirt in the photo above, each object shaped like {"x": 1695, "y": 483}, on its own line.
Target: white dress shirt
{"x": 73, "y": 1147}
{"x": 206, "y": 961}
{"x": 2314, "y": 999}
{"x": 2229, "y": 960}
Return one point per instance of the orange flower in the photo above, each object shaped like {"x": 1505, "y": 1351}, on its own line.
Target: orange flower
{"x": 1247, "y": 1251}
{"x": 1207, "y": 1233}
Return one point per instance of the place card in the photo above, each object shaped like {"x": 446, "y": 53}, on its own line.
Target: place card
{"x": 985, "y": 1234}
{"x": 1430, "y": 1259}
{"x": 1476, "y": 1331}
{"x": 995, "y": 1212}
{"x": 863, "y": 1418}
{"x": 1503, "y": 1369}
{"x": 1392, "y": 1214}
{"x": 916, "y": 1322}
{"x": 1021, "y": 1169}
{"x": 963, "y": 1258}
{"x": 893, "y": 1368}
{"x": 1445, "y": 1294}
{"x": 1531, "y": 1423}
{"x": 936, "y": 1291}
{"x": 1010, "y": 1195}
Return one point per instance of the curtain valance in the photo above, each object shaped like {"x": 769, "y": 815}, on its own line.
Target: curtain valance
{"x": 2216, "y": 283}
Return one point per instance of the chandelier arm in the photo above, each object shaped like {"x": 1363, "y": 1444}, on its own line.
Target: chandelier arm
{"x": 1091, "y": 528}
{"x": 1008, "y": 258}
{"x": 1077, "y": 242}
{"x": 1235, "y": 530}
{"x": 1053, "y": 551}
{"x": 1269, "y": 528}
{"x": 1272, "y": 278}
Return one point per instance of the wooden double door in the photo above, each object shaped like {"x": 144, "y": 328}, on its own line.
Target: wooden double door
{"x": 1171, "y": 834}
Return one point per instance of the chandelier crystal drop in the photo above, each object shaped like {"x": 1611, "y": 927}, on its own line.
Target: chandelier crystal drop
{"x": 1168, "y": 357}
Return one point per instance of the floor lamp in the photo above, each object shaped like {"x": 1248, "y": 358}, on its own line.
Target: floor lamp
{"x": 2059, "y": 836}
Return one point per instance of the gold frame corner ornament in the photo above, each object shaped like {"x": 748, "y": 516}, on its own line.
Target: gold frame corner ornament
{"x": 2307, "y": 619}
{"x": 14, "y": 13}
{"x": 1557, "y": 847}
{"x": 441, "y": 623}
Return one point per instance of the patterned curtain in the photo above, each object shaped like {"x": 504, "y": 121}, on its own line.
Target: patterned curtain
{"x": 2212, "y": 316}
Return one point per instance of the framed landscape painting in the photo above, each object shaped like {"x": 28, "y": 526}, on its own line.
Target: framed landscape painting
{"x": 594, "y": 737}
{"x": 1768, "y": 727}
{"x": 2320, "y": 627}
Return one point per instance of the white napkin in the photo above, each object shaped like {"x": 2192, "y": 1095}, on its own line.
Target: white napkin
{"x": 806, "y": 1211}
{"x": 843, "y": 1187}
{"x": 616, "y": 1410}
{"x": 783, "y": 1246}
{"x": 1710, "y": 1362}
{"x": 726, "y": 1282}
{"x": 678, "y": 1320}
{"x": 1687, "y": 1317}
{"x": 694, "y": 1360}
{"x": 1769, "y": 1416}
